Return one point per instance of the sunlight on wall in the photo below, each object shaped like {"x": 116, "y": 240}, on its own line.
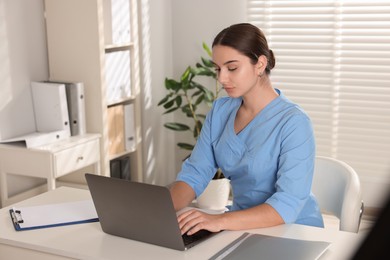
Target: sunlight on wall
{"x": 149, "y": 152}
{"x": 5, "y": 79}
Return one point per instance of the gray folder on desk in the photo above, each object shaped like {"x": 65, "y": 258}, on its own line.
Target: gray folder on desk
{"x": 256, "y": 246}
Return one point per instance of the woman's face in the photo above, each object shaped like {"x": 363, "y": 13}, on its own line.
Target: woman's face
{"x": 235, "y": 71}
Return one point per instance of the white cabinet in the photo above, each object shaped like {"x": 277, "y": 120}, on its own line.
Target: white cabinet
{"x": 96, "y": 42}
{"x": 75, "y": 157}
{"x": 49, "y": 162}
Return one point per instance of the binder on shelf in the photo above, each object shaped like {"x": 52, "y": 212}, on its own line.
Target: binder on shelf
{"x": 118, "y": 82}
{"x": 116, "y": 21}
{"x": 120, "y": 15}
{"x": 125, "y": 168}
{"x": 120, "y": 168}
{"x": 76, "y": 106}
{"x": 53, "y": 215}
{"x": 50, "y": 107}
{"x": 130, "y": 141}
{"x": 50, "y": 115}
{"x": 115, "y": 168}
{"x": 116, "y": 129}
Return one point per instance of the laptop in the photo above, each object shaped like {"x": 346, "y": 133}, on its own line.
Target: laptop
{"x": 139, "y": 211}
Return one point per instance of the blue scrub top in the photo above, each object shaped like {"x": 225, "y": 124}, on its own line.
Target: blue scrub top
{"x": 270, "y": 161}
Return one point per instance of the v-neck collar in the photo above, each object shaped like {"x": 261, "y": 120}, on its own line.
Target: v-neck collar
{"x": 262, "y": 115}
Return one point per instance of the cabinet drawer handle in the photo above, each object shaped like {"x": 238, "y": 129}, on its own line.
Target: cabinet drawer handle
{"x": 80, "y": 158}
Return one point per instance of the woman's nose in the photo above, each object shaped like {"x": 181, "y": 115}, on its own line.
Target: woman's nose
{"x": 222, "y": 76}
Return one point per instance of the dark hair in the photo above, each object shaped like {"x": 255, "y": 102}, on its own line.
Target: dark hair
{"x": 248, "y": 40}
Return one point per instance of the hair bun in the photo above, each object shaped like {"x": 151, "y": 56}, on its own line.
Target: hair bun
{"x": 271, "y": 60}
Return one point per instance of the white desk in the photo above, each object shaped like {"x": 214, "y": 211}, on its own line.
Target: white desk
{"x": 88, "y": 241}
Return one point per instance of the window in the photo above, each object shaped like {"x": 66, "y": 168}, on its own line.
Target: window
{"x": 333, "y": 58}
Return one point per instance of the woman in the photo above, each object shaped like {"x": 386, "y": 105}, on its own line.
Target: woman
{"x": 260, "y": 140}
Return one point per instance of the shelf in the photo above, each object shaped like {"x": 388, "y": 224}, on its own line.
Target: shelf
{"x": 115, "y": 156}
{"x": 118, "y": 47}
{"x": 103, "y": 60}
{"x": 122, "y": 101}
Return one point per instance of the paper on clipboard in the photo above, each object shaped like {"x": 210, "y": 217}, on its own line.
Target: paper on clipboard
{"x": 51, "y": 215}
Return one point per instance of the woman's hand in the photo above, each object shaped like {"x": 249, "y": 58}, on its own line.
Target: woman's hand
{"x": 194, "y": 220}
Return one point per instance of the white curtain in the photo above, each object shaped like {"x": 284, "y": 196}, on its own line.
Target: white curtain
{"x": 333, "y": 58}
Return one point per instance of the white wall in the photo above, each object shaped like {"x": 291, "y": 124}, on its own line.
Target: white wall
{"x": 157, "y": 64}
{"x": 23, "y": 58}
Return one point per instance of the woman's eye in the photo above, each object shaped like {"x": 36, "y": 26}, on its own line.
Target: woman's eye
{"x": 232, "y": 69}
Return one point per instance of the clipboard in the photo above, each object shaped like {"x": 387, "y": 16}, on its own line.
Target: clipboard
{"x": 53, "y": 215}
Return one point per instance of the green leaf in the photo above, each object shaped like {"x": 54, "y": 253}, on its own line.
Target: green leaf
{"x": 186, "y": 146}
{"x": 209, "y": 95}
{"x": 171, "y": 110}
{"x": 199, "y": 124}
{"x": 191, "y": 85}
{"x": 172, "y": 84}
{"x": 196, "y": 93}
{"x": 197, "y": 129}
{"x": 199, "y": 100}
{"x": 196, "y": 71}
{"x": 177, "y": 126}
{"x": 162, "y": 101}
{"x": 200, "y": 87}
{"x": 202, "y": 71}
{"x": 178, "y": 101}
{"x": 186, "y": 75}
{"x": 210, "y": 73}
{"x": 207, "y": 62}
{"x": 198, "y": 65}
{"x": 203, "y": 116}
{"x": 187, "y": 110}
{"x": 169, "y": 104}
{"x": 206, "y": 48}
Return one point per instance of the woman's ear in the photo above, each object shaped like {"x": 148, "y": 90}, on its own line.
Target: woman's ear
{"x": 261, "y": 65}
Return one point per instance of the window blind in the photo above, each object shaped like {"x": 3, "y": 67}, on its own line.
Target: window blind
{"x": 333, "y": 59}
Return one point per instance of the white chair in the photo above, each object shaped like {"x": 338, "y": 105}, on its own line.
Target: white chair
{"x": 336, "y": 186}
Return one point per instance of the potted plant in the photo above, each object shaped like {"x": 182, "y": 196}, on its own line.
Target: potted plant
{"x": 190, "y": 97}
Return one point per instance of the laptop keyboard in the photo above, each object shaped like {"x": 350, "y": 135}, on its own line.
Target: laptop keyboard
{"x": 188, "y": 239}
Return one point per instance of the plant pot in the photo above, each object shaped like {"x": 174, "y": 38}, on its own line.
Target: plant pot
{"x": 215, "y": 196}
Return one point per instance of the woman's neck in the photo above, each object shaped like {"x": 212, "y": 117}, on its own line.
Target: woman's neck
{"x": 260, "y": 96}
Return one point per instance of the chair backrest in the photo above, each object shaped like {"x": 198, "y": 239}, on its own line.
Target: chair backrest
{"x": 336, "y": 186}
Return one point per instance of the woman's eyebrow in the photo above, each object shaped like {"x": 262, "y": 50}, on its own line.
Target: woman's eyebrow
{"x": 228, "y": 62}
